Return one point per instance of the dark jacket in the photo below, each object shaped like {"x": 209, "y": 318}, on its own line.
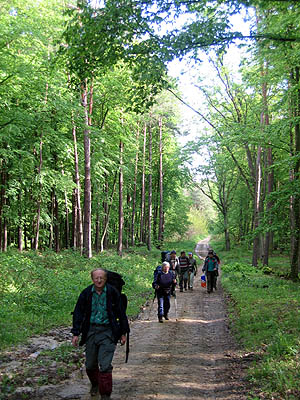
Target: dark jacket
{"x": 205, "y": 266}
{"x": 115, "y": 310}
{"x": 165, "y": 282}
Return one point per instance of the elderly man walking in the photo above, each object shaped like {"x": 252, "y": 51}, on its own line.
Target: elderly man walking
{"x": 100, "y": 318}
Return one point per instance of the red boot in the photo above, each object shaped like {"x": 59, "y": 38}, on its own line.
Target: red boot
{"x": 105, "y": 384}
{"x": 93, "y": 375}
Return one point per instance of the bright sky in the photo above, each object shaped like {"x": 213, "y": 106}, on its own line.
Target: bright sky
{"x": 187, "y": 76}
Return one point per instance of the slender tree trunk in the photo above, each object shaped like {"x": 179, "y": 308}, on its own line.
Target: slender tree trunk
{"x": 142, "y": 239}
{"x": 149, "y": 238}
{"x": 56, "y": 224}
{"x": 39, "y": 201}
{"x": 295, "y": 198}
{"x": 134, "y": 189}
{"x": 121, "y": 213}
{"x": 161, "y": 188}
{"x": 77, "y": 225}
{"x": 87, "y": 230}
{"x": 106, "y": 212}
{"x": 257, "y": 198}
{"x": 104, "y": 234}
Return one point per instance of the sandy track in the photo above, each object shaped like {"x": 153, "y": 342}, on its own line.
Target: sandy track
{"x": 192, "y": 358}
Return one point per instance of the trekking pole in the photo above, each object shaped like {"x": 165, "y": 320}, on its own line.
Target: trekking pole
{"x": 127, "y": 348}
{"x": 175, "y": 301}
{"x": 151, "y": 306}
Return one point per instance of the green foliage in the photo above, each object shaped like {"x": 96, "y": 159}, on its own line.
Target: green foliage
{"x": 264, "y": 313}
{"x": 39, "y": 291}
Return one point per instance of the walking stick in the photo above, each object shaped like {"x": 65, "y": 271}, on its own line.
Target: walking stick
{"x": 175, "y": 301}
{"x": 151, "y": 306}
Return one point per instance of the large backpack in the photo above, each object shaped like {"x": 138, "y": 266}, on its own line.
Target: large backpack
{"x": 116, "y": 280}
{"x": 157, "y": 271}
{"x": 165, "y": 256}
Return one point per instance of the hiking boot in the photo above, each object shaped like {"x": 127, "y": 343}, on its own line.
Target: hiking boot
{"x": 94, "y": 390}
{"x": 166, "y": 317}
{"x": 181, "y": 290}
{"x": 160, "y": 319}
{"x": 191, "y": 289}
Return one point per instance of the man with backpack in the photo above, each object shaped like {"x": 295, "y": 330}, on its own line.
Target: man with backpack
{"x": 184, "y": 265}
{"x": 164, "y": 283}
{"x": 210, "y": 268}
{"x": 100, "y": 318}
{"x": 174, "y": 263}
{"x": 217, "y": 271}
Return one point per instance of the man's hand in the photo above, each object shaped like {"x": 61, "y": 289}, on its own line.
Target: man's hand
{"x": 123, "y": 340}
{"x": 156, "y": 287}
{"x": 75, "y": 341}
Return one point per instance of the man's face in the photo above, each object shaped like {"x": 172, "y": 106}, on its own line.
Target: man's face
{"x": 210, "y": 255}
{"x": 190, "y": 255}
{"x": 99, "y": 279}
{"x": 183, "y": 254}
{"x": 165, "y": 268}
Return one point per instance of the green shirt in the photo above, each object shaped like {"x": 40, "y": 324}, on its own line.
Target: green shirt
{"x": 99, "y": 312}
{"x": 211, "y": 264}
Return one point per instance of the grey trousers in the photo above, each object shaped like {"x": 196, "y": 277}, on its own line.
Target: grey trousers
{"x": 100, "y": 348}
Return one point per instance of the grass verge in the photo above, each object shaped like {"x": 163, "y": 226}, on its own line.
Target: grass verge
{"x": 265, "y": 315}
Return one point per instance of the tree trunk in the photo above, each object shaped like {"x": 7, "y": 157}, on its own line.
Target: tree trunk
{"x": 121, "y": 213}
{"x": 104, "y": 234}
{"x": 257, "y": 198}
{"x": 87, "y": 230}
{"x": 142, "y": 239}
{"x": 134, "y": 189}
{"x": 77, "y": 226}
{"x": 161, "y": 188}
{"x": 295, "y": 198}
{"x": 149, "y": 238}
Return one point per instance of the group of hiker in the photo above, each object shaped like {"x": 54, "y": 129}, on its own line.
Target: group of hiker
{"x": 100, "y": 317}
{"x": 181, "y": 270}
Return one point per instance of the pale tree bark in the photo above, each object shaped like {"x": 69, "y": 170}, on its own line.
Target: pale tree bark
{"x": 269, "y": 165}
{"x": 134, "y": 189}
{"x": 257, "y": 204}
{"x": 87, "y": 228}
{"x": 107, "y": 216}
{"x": 294, "y": 176}
{"x": 36, "y": 224}
{"x": 77, "y": 220}
{"x": 149, "y": 236}
{"x": 121, "y": 213}
{"x": 161, "y": 188}
{"x": 142, "y": 239}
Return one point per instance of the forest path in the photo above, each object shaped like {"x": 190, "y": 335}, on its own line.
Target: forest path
{"x": 192, "y": 358}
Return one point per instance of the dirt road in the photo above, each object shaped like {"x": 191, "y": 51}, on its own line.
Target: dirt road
{"x": 194, "y": 357}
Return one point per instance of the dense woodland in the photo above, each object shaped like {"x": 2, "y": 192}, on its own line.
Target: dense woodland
{"x": 89, "y": 125}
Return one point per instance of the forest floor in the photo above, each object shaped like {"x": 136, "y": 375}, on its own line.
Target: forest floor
{"x": 193, "y": 357}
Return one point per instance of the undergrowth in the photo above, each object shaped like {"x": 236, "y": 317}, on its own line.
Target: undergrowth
{"x": 264, "y": 314}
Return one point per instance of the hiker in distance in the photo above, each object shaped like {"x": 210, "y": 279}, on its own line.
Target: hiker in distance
{"x": 192, "y": 271}
{"x": 100, "y": 318}
{"x": 184, "y": 264}
{"x": 217, "y": 271}
{"x": 164, "y": 284}
{"x": 174, "y": 263}
{"x": 210, "y": 268}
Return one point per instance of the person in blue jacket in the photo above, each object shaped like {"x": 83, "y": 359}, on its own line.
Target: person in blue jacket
{"x": 164, "y": 283}
{"x": 99, "y": 317}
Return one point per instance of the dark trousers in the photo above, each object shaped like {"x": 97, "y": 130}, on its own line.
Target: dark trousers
{"x": 163, "y": 301}
{"x": 210, "y": 277}
{"x": 183, "y": 278}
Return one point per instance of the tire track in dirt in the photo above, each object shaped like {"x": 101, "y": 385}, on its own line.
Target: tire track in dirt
{"x": 192, "y": 358}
